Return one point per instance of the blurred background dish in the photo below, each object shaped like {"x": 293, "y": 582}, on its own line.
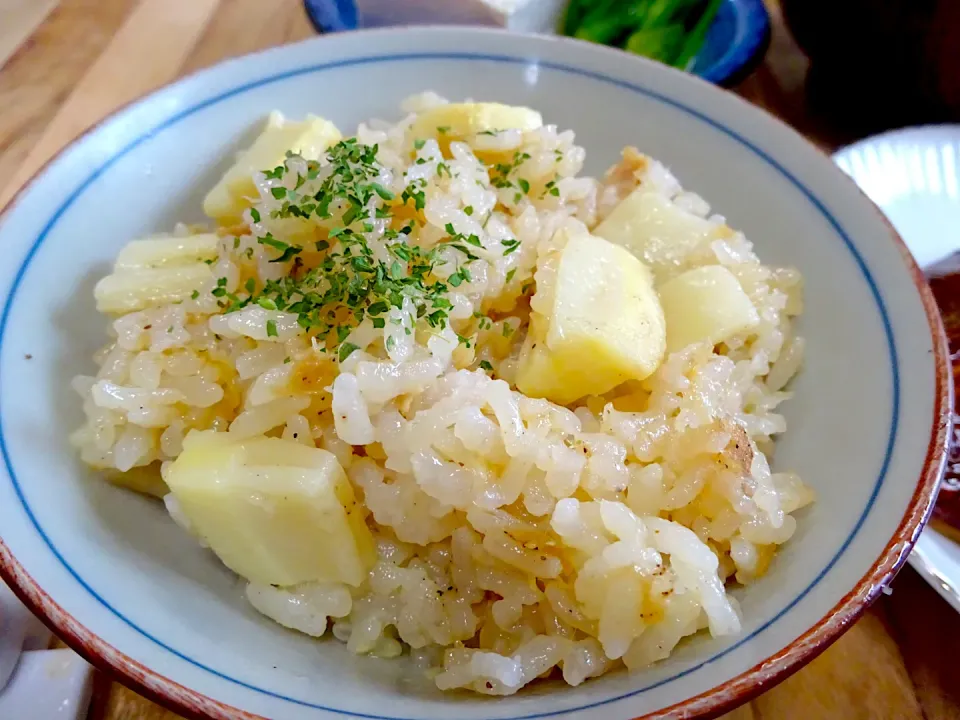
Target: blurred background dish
{"x": 35, "y": 680}
{"x": 913, "y": 175}
{"x": 718, "y": 40}
{"x": 880, "y": 64}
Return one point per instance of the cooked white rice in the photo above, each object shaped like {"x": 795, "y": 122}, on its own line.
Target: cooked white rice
{"x": 515, "y": 537}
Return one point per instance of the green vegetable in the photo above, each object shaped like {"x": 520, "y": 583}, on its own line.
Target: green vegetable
{"x": 602, "y": 30}
{"x": 698, "y": 35}
{"x": 663, "y": 13}
{"x": 662, "y": 44}
{"x": 576, "y": 12}
{"x": 609, "y": 22}
{"x": 670, "y": 31}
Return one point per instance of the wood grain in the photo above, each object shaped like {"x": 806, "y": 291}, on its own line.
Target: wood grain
{"x": 39, "y": 77}
{"x": 20, "y": 19}
{"x": 91, "y": 56}
{"x": 147, "y": 51}
{"x": 840, "y": 679}
{"x": 244, "y": 26}
{"x": 112, "y": 701}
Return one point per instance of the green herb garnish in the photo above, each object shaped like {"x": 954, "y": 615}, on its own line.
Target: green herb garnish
{"x": 460, "y": 276}
{"x": 346, "y": 349}
{"x": 349, "y": 283}
{"x": 510, "y": 246}
{"x": 503, "y": 171}
{"x": 483, "y": 322}
{"x": 382, "y": 191}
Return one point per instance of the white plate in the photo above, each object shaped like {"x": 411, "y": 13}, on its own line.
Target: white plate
{"x": 914, "y": 176}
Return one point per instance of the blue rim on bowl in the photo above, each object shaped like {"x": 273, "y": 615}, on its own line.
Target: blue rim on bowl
{"x": 735, "y": 43}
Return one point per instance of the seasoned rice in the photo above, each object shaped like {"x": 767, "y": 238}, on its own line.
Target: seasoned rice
{"x": 515, "y": 537}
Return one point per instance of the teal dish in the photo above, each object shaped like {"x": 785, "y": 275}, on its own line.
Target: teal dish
{"x": 735, "y": 43}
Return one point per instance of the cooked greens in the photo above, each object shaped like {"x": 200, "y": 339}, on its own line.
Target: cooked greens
{"x": 671, "y": 31}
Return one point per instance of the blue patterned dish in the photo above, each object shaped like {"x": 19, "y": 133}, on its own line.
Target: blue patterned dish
{"x": 735, "y": 44}
{"x": 121, "y": 583}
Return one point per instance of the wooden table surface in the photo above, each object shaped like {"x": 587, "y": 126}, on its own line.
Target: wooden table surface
{"x": 64, "y": 64}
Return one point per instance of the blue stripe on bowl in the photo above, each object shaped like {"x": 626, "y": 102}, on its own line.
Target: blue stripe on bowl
{"x": 559, "y": 67}
{"x": 735, "y": 43}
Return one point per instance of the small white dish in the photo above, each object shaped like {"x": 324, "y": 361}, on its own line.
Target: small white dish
{"x": 48, "y": 685}
{"x": 20, "y": 631}
{"x": 914, "y": 176}
{"x": 36, "y": 682}
{"x": 937, "y": 558}
{"x": 125, "y": 587}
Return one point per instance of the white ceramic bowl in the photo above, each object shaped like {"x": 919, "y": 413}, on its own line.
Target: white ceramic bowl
{"x": 134, "y": 594}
